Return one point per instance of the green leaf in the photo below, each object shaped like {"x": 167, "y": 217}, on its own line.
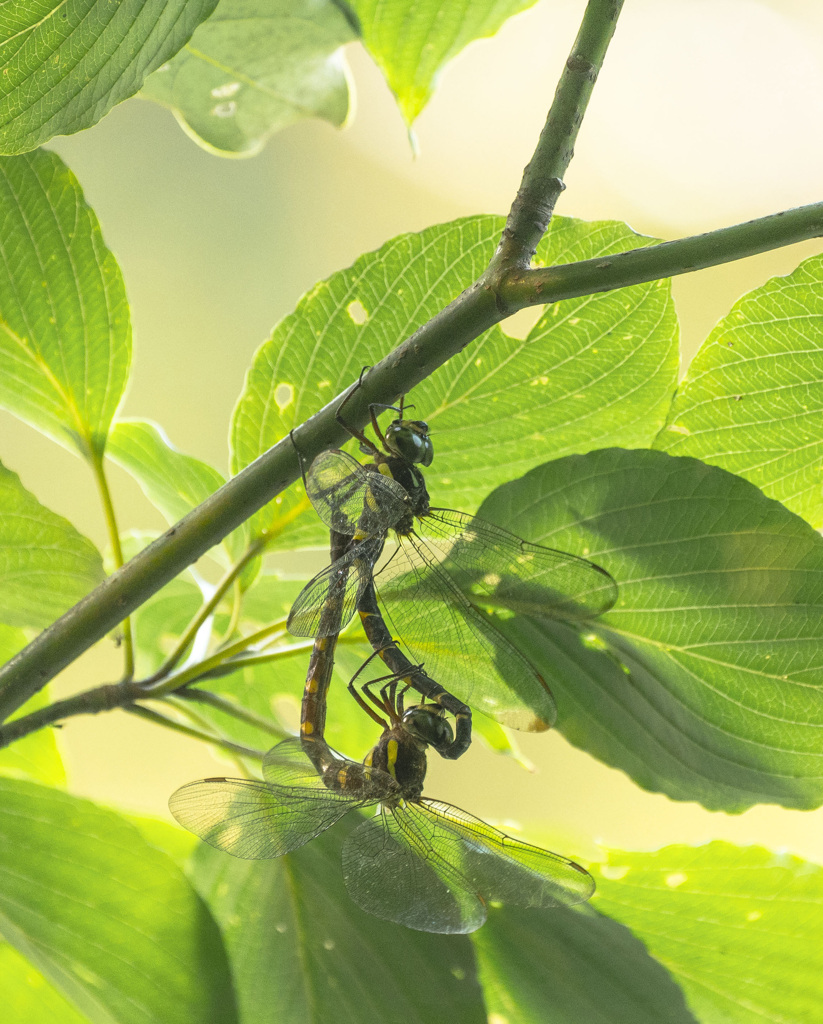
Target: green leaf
{"x": 66, "y": 63}
{"x": 704, "y": 681}
{"x": 108, "y": 919}
{"x": 738, "y": 928}
{"x": 173, "y": 482}
{"x": 254, "y": 68}
{"x": 302, "y": 951}
{"x": 594, "y": 371}
{"x": 753, "y": 397}
{"x": 569, "y": 966}
{"x": 27, "y": 997}
{"x": 46, "y": 566}
{"x": 34, "y": 756}
{"x": 65, "y": 336}
{"x": 411, "y": 42}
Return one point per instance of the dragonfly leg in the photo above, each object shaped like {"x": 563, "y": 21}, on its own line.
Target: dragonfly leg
{"x": 366, "y": 445}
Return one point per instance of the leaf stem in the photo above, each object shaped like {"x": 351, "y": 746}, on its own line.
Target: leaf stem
{"x": 229, "y": 707}
{"x": 543, "y": 177}
{"x": 205, "y": 611}
{"x": 98, "y": 469}
{"x": 198, "y": 734}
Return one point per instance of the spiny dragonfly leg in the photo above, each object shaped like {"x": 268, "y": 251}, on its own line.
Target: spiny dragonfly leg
{"x": 366, "y": 445}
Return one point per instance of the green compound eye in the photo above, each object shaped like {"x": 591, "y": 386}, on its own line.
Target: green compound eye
{"x": 409, "y": 439}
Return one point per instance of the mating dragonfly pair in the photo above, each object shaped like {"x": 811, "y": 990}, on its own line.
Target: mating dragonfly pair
{"x": 420, "y": 862}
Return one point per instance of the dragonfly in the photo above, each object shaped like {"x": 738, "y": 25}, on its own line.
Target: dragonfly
{"x": 418, "y": 862}
{"x": 448, "y": 571}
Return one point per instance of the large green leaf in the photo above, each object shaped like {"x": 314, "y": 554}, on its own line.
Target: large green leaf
{"x": 46, "y": 566}
{"x": 738, "y": 928}
{"x": 594, "y": 371}
{"x": 572, "y": 966}
{"x": 34, "y": 756}
{"x": 705, "y": 680}
{"x": 65, "y": 336}
{"x": 752, "y": 400}
{"x": 255, "y": 67}
{"x": 303, "y": 953}
{"x": 172, "y": 481}
{"x": 107, "y": 918}
{"x": 412, "y": 40}
{"x": 66, "y": 63}
{"x": 27, "y": 997}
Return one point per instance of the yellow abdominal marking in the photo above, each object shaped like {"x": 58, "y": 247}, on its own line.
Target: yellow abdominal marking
{"x": 306, "y": 728}
{"x": 391, "y": 756}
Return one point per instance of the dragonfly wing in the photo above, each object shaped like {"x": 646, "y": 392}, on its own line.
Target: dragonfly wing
{"x": 351, "y": 499}
{"x": 459, "y": 645}
{"x": 395, "y": 877}
{"x": 500, "y": 868}
{"x": 260, "y": 820}
{"x": 327, "y": 603}
{"x": 496, "y": 568}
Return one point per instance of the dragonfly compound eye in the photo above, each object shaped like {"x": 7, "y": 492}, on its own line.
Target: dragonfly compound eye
{"x": 409, "y": 439}
{"x": 428, "y": 726}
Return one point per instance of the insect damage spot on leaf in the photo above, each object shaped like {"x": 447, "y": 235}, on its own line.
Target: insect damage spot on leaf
{"x": 357, "y": 311}
{"x": 283, "y": 396}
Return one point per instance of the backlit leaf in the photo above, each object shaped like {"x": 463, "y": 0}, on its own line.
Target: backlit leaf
{"x": 594, "y": 371}
{"x": 108, "y": 919}
{"x": 753, "y": 397}
{"x": 65, "y": 63}
{"x": 412, "y": 41}
{"x": 737, "y": 927}
{"x": 302, "y": 951}
{"x": 255, "y": 67}
{"x": 65, "y": 335}
{"x": 34, "y": 756}
{"x": 705, "y": 680}
{"x": 46, "y": 566}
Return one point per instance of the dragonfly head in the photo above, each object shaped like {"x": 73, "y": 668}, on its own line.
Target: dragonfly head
{"x": 409, "y": 440}
{"x": 427, "y": 725}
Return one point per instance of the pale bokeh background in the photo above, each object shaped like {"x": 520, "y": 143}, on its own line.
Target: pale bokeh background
{"x": 707, "y": 113}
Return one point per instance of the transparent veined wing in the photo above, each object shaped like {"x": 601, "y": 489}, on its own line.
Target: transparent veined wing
{"x": 387, "y": 876}
{"x": 440, "y": 584}
{"x": 458, "y": 644}
{"x": 499, "y": 867}
{"x": 433, "y": 867}
{"x": 328, "y": 601}
{"x": 499, "y": 569}
{"x": 260, "y": 820}
{"x": 351, "y": 499}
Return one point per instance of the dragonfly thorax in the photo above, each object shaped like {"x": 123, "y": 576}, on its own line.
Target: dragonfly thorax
{"x": 402, "y": 756}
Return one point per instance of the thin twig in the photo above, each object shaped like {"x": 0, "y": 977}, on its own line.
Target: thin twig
{"x": 99, "y": 471}
{"x": 198, "y": 734}
{"x": 188, "y": 635}
{"x": 543, "y": 177}
{"x": 228, "y": 707}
